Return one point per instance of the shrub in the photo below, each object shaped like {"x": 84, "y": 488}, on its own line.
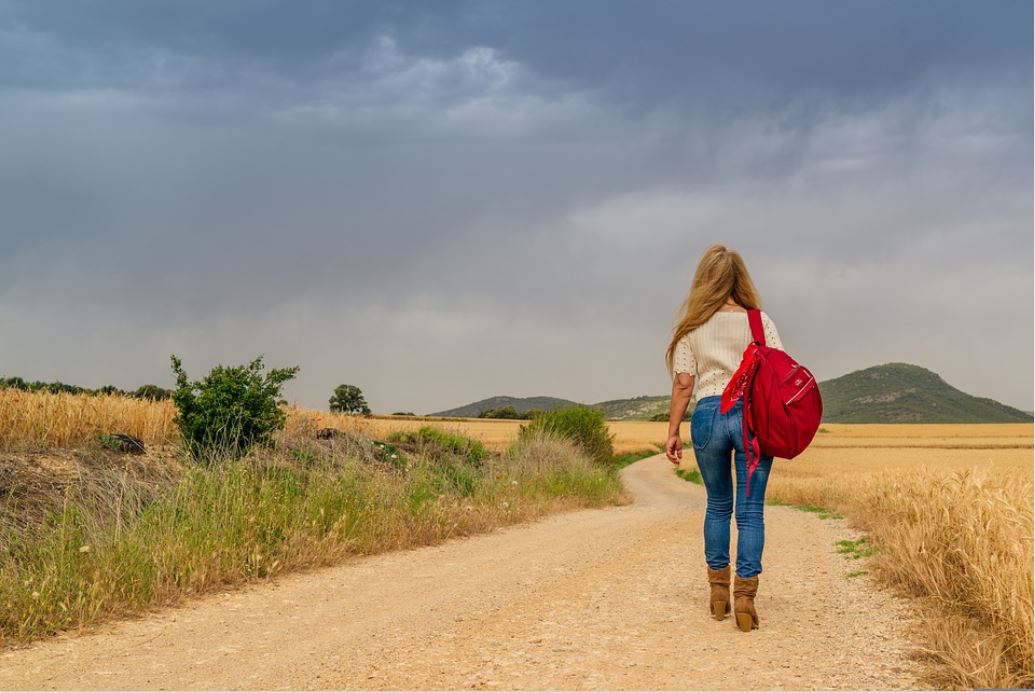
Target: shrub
{"x": 429, "y": 440}
{"x": 584, "y": 425}
{"x": 231, "y": 409}
{"x": 545, "y": 463}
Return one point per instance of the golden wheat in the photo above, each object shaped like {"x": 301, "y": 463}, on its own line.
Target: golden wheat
{"x": 48, "y": 419}
{"x": 954, "y": 530}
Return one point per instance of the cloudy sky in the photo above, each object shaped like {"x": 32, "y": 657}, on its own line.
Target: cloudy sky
{"x": 440, "y": 202}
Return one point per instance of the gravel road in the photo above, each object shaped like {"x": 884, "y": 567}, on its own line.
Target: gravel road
{"x": 612, "y": 598}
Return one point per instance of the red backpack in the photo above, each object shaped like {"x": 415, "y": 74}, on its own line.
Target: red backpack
{"x": 782, "y": 406}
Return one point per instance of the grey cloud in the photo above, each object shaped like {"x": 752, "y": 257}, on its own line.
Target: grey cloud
{"x": 439, "y": 209}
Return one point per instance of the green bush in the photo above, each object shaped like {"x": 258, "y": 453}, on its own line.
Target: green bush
{"x": 584, "y": 425}
{"x": 507, "y": 412}
{"x": 430, "y": 440}
{"x": 231, "y": 409}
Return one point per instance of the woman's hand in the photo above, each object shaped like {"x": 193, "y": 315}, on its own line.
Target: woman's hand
{"x": 682, "y": 389}
{"x": 674, "y": 449}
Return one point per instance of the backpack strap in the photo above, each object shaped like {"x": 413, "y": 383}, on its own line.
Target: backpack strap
{"x": 755, "y": 320}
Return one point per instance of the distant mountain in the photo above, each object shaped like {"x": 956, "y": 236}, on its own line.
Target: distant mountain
{"x": 889, "y": 393}
{"x": 635, "y": 408}
{"x": 521, "y": 404}
{"x": 904, "y": 393}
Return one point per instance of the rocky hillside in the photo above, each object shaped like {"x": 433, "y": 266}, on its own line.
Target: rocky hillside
{"x": 904, "y": 393}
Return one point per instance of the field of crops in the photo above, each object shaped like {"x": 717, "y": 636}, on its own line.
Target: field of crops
{"x": 51, "y": 420}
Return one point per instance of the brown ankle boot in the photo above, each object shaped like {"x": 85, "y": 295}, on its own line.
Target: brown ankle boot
{"x": 720, "y": 597}
{"x": 744, "y": 590}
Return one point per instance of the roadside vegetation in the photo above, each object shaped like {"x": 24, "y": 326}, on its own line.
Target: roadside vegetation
{"x": 242, "y": 497}
{"x": 627, "y": 458}
{"x": 691, "y": 475}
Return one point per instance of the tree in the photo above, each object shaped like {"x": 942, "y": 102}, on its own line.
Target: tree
{"x": 152, "y": 392}
{"x": 507, "y": 412}
{"x": 348, "y": 399}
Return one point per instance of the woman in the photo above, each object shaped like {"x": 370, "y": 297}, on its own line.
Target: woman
{"x": 706, "y": 348}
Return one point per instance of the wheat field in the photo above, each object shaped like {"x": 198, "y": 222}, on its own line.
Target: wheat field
{"x": 61, "y": 419}
{"x": 56, "y": 420}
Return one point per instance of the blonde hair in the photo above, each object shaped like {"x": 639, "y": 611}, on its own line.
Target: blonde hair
{"x": 721, "y": 274}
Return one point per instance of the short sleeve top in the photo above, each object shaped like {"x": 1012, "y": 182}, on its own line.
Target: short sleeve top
{"x": 712, "y": 352}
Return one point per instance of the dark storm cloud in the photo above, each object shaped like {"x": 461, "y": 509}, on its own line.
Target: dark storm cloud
{"x": 661, "y": 47}
{"x": 451, "y": 201}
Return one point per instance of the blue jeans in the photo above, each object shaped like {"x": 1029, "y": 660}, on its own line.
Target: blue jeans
{"x": 714, "y": 436}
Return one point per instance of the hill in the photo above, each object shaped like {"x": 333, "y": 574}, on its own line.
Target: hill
{"x": 904, "y": 393}
{"x": 519, "y": 403}
{"x": 888, "y": 393}
{"x": 634, "y": 408}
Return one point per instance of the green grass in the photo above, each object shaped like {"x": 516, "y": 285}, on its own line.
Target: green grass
{"x": 435, "y": 441}
{"x": 228, "y": 522}
{"x": 856, "y": 573}
{"x": 856, "y": 548}
{"x": 820, "y": 511}
{"x": 691, "y": 475}
{"x": 108, "y": 441}
{"x": 628, "y": 458}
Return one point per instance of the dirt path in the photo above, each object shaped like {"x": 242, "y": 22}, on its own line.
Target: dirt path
{"x": 612, "y": 599}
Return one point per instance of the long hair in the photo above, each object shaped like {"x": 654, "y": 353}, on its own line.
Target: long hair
{"x": 721, "y": 274}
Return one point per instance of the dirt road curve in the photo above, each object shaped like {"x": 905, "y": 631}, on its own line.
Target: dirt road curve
{"x": 607, "y": 599}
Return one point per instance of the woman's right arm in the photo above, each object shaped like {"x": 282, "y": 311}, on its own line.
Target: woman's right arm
{"x": 772, "y": 337}
{"x": 682, "y": 390}
{"x": 684, "y": 367}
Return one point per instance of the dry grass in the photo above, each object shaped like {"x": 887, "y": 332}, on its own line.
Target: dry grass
{"x": 34, "y": 484}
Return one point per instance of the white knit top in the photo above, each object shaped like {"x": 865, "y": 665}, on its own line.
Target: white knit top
{"x": 712, "y": 352}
